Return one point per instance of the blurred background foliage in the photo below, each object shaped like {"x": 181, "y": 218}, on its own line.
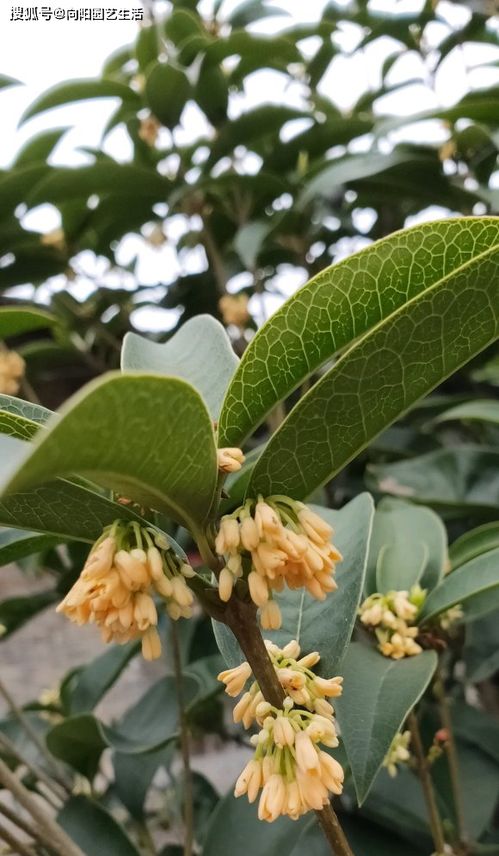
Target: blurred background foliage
{"x": 238, "y": 200}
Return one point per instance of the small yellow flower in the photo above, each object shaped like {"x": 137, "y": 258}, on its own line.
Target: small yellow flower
{"x": 234, "y": 309}
{"x": 393, "y": 617}
{"x": 398, "y": 753}
{"x": 116, "y": 588}
{"x": 230, "y": 460}
{"x": 12, "y": 367}
{"x": 278, "y": 542}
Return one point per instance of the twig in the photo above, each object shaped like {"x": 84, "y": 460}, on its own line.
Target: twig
{"x": 184, "y": 746}
{"x": 53, "y": 787}
{"x": 215, "y": 259}
{"x": 18, "y": 847}
{"x": 49, "y": 830}
{"x": 18, "y": 821}
{"x": 451, "y": 750}
{"x": 427, "y": 785}
{"x": 241, "y": 618}
{"x": 28, "y": 728}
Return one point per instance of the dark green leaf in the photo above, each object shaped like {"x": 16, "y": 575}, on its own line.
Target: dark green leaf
{"x": 94, "y": 829}
{"x": 408, "y": 545}
{"x": 327, "y": 302}
{"x": 15, "y": 321}
{"x": 120, "y": 179}
{"x": 15, "y": 545}
{"x": 481, "y": 651}
{"x": 378, "y": 694}
{"x": 90, "y": 683}
{"x": 80, "y": 90}
{"x": 167, "y": 91}
{"x": 474, "y": 543}
{"x": 134, "y": 434}
{"x": 462, "y": 477}
{"x": 39, "y": 148}
{"x": 481, "y": 410}
{"x": 15, "y": 611}
{"x": 478, "y": 577}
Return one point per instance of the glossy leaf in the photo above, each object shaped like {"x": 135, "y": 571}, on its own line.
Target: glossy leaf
{"x": 167, "y": 91}
{"x": 15, "y": 611}
{"x": 460, "y": 477}
{"x": 15, "y": 544}
{"x": 235, "y": 823}
{"x": 378, "y": 378}
{"x": 61, "y": 508}
{"x": 14, "y": 425}
{"x": 322, "y": 626}
{"x": 15, "y": 321}
{"x": 80, "y": 90}
{"x": 472, "y": 580}
{"x": 378, "y": 694}
{"x": 481, "y": 650}
{"x": 474, "y": 543}
{"x": 408, "y": 545}
{"x": 366, "y": 839}
{"x": 87, "y": 685}
{"x": 39, "y": 148}
{"x": 286, "y": 350}
{"x": 121, "y": 179}
{"x": 150, "y": 458}
{"x": 200, "y": 352}
{"x": 87, "y": 822}
{"x": 26, "y": 409}
{"x": 479, "y": 410}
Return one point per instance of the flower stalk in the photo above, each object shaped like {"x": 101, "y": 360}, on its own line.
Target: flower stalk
{"x": 188, "y": 807}
{"x": 427, "y": 784}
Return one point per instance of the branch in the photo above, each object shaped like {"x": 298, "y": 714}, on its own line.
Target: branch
{"x": 18, "y": 847}
{"x": 49, "y": 830}
{"x": 30, "y": 731}
{"x": 241, "y": 618}
{"x": 54, "y": 789}
{"x": 427, "y": 785}
{"x": 451, "y": 750}
{"x": 184, "y": 746}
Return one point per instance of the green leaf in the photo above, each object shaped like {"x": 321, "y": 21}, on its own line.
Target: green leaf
{"x": 39, "y": 148}
{"x": 167, "y": 91}
{"x": 408, "y": 545}
{"x": 16, "y": 185}
{"x": 249, "y": 240}
{"x": 378, "y": 378}
{"x": 211, "y": 92}
{"x": 478, "y": 577}
{"x": 132, "y": 780}
{"x": 26, "y": 409}
{"x": 322, "y": 317}
{"x": 477, "y": 727}
{"x": 200, "y": 352}
{"x": 80, "y": 90}
{"x": 352, "y": 168}
{"x": 89, "y": 824}
{"x": 60, "y": 507}
{"x": 86, "y": 686}
{"x": 478, "y": 782}
{"x": 474, "y": 543}
{"x": 15, "y": 321}
{"x": 143, "y": 436}
{"x": 264, "y": 121}
{"x": 481, "y": 650}
{"x": 15, "y": 545}
{"x": 378, "y": 694}
{"x": 13, "y": 425}
{"x": 120, "y": 179}
{"x": 150, "y": 724}
{"x": 15, "y": 611}
{"x": 458, "y": 478}
{"x": 235, "y": 826}
{"x": 323, "y": 626}
{"x": 6, "y": 81}
{"x": 366, "y": 839}
{"x": 398, "y": 805}
{"x": 481, "y": 410}
{"x": 253, "y": 10}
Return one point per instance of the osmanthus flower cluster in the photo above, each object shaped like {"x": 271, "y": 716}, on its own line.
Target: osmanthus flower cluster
{"x": 393, "y": 617}
{"x": 12, "y": 368}
{"x": 398, "y": 753}
{"x": 127, "y": 567}
{"x": 275, "y": 542}
{"x": 293, "y": 773}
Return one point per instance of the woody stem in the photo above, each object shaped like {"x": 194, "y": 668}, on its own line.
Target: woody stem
{"x": 184, "y": 746}
{"x": 427, "y": 784}
{"x": 452, "y": 758}
{"x": 241, "y": 618}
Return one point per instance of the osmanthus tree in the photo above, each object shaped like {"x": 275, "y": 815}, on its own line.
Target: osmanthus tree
{"x": 139, "y": 458}
{"x": 296, "y": 180}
